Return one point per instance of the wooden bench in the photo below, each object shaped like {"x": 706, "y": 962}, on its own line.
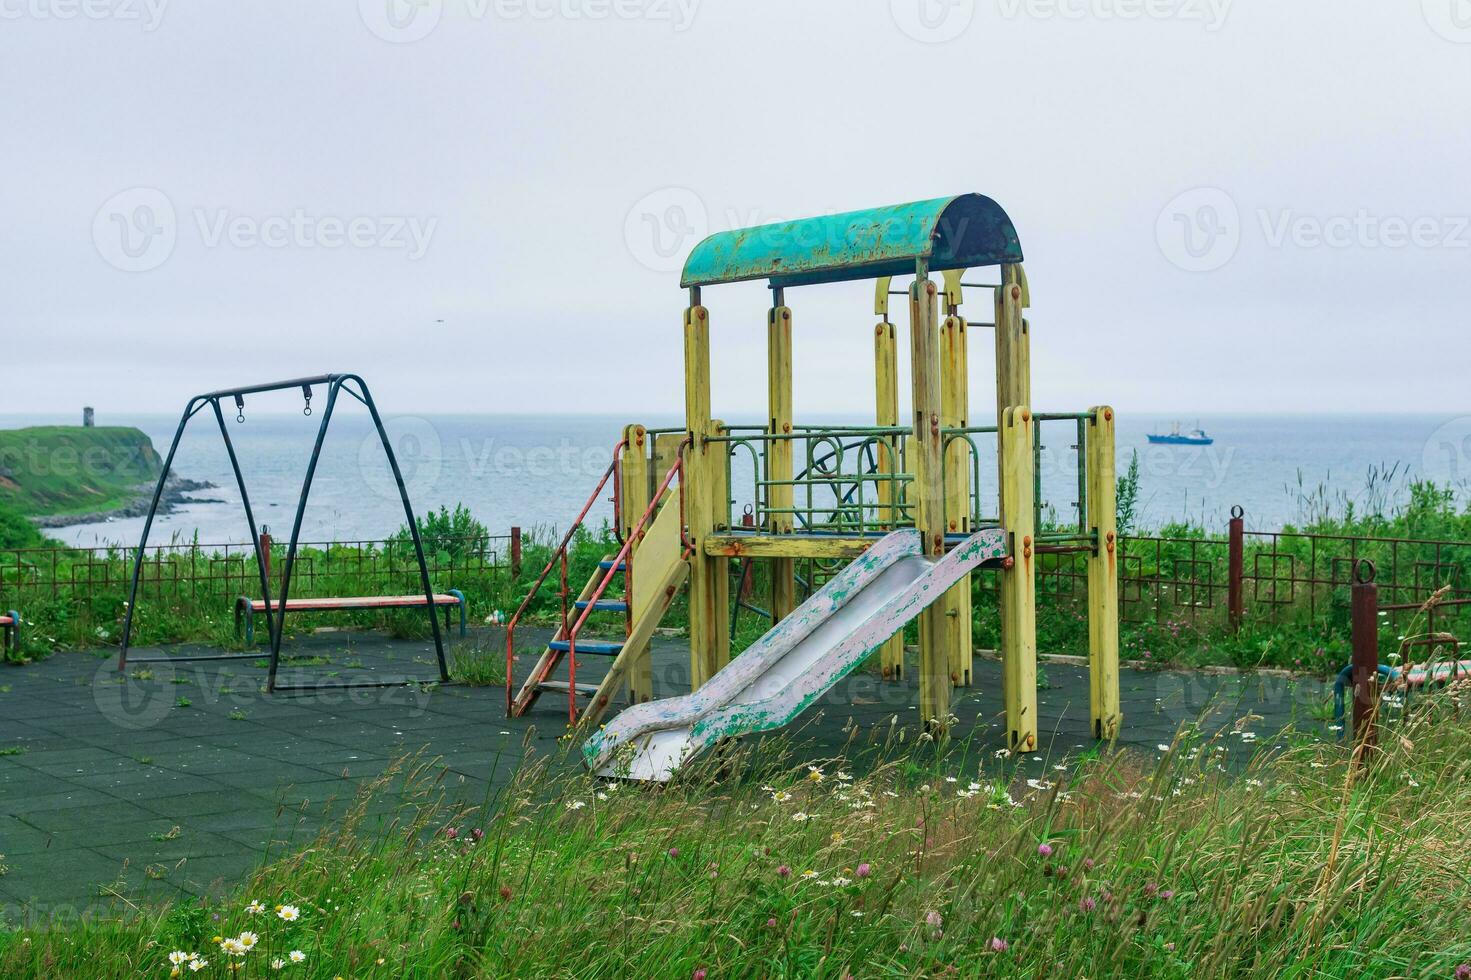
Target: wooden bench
{"x": 246, "y": 607}
{"x": 9, "y": 631}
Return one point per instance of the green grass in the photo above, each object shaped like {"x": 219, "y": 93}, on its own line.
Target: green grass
{"x": 58, "y": 469}
{"x": 931, "y": 864}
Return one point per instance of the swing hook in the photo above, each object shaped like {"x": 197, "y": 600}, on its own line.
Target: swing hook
{"x": 306, "y": 391}
{"x": 239, "y": 408}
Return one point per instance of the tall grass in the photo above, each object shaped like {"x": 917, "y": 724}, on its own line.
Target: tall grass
{"x": 931, "y": 863}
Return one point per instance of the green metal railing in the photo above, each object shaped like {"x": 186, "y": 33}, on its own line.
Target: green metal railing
{"x": 851, "y": 479}
{"x": 836, "y": 477}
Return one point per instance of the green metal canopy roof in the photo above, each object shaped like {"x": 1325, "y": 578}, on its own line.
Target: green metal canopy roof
{"x": 951, "y": 232}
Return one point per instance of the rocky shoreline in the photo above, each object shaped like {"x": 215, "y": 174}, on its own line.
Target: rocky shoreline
{"x": 176, "y": 493}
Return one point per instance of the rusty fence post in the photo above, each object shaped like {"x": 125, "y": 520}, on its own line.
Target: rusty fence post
{"x": 1236, "y": 572}
{"x": 265, "y": 549}
{"x": 515, "y": 552}
{"x": 1364, "y": 607}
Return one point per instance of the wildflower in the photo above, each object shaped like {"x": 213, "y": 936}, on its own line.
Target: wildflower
{"x": 288, "y": 913}
{"x": 1163, "y": 747}
{"x": 845, "y": 777}
{"x": 278, "y": 964}
{"x": 505, "y": 893}
{"x": 576, "y": 804}
{"x": 1044, "y": 850}
{"x": 864, "y": 870}
{"x": 809, "y": 874}
{"x": 836, "y": 837}
{"x": 1087, "y": 864}
{"x": 699, "y": 974}
{"x": 451, "y": 833}
{"x": 841, "y": 882}
{"x": 1463, "y": 972}
{"x": 799, "y": 817}
{"x": 784, "y": 871}
{"x": 178, "y": 957}
{"x": 477, "y": 834}
{"x": 934, "y": 919}
{"x": 198, "y": 964}
{"x": 233, "y": 947}
{"x": 999, "y": 945}
{"x": 674, "y": 852}
{"x": 1087, "y": 904}
{"x": 248, "y": 939}
{"x": 771, "y": 923}
{"x": 1150, "y": 889}
{"x": 255, "y": 907}
{"x": 1167, "y": 894}
{"x": 296, "y": 956}
{"x": 815, "y": 774}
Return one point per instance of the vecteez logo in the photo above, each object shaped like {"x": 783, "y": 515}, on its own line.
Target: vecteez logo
{"x": 407, "y": 21}
{"x": 1451, "y": 19}
{"x": 137, "y": 230}
{"x": 933, "y": 21}
{"x": 146, "y": 13}
{"x": 663, "y": 226}
{"x": 401, "y": 21}
{"x": 1200, "y": 230}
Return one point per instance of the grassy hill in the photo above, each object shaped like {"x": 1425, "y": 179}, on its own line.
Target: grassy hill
{"x": 61, "y": 469}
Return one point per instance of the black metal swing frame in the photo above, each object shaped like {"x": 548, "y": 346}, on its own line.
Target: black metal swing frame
{"x": 354, "y": 386}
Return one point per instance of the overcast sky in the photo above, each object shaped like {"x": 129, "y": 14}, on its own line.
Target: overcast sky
{"x": 481, "y": 205}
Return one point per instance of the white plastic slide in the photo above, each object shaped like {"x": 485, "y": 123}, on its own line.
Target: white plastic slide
{"x": 795, "y": 663}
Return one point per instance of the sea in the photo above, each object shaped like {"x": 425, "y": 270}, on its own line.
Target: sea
{"x": 537, "y": 472}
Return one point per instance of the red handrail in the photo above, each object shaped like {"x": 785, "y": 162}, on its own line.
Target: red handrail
{"x": 558, "y": 556}
{"x": 634, "y": 534}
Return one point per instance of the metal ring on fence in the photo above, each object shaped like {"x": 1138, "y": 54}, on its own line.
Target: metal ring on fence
{"x": 1364, "y": 571}
{"x": 835, "y": 456}
{"x": 1238, "y": 512}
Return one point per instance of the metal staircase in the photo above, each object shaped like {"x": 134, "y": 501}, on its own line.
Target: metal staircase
{"x": 661, "y": 528}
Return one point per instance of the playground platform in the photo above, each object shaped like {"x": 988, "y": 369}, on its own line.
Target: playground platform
{"x": 179, "y": 783}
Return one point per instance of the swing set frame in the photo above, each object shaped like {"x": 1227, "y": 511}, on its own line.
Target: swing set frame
{"x": 335, "y": 384}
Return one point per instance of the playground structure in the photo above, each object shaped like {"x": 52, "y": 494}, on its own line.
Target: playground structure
{"x": 673, "y": 491}
{"x": 275, "y": 609}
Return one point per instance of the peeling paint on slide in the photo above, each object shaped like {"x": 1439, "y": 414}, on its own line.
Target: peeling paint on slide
{"x": 796, "y": 662}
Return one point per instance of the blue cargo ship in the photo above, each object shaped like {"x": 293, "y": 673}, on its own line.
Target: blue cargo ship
{"x": 1175, "y": 437}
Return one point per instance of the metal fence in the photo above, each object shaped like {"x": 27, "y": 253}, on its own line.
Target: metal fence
{"x": 1282, "y": 577}
{"x": 198, "y": 571}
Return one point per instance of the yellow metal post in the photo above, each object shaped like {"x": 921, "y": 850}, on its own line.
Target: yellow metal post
{"x": 886, "y": 413}
{"x": 1103, "y": 577}
{"x": 709, "y": 636}
{"x": 780, "y": 493}
{"x": 634, "y": 494}
{"x": 1018, "y": 582}
{"x": 955, "y": 401}
{"x": 928, "y": 491}
{"x": 634, "y": 488}
{"x": 1012, "y": 389}
{"x": 1018, "y": 508}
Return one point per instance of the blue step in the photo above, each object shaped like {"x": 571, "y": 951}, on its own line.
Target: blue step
{"x": 592, "y": 647}
{"x": 603, "y": 605}
{"x": 605, "y": 565}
